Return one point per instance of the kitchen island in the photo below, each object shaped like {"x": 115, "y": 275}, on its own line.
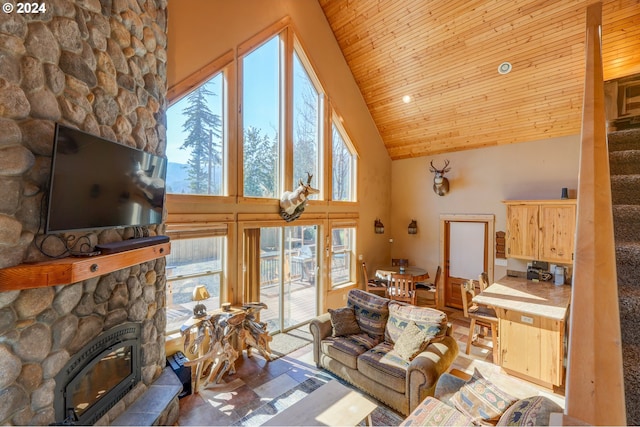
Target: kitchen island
{"x": 531, "y": 329}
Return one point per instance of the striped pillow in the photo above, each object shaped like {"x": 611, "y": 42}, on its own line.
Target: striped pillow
{"x": 371, "y": 312}
{"x": 482, "y": 400}
{"x": 429, "y": 320}
{"x": 432, "y": 412}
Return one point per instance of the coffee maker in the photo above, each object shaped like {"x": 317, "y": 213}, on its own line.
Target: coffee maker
{"x": 539, "y": 271}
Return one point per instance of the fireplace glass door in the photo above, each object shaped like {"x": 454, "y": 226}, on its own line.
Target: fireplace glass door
{"x": 98, "y": 375}
{"x": 99, "y": 378}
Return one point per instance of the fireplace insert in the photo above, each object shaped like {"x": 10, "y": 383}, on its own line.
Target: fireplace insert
{"x": 98, "y": 376}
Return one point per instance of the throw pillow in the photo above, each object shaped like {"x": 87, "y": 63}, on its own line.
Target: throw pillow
{"x": 482, "y": 400}
{"x": 344, "y": 322}
{"x": 432, "y": 412}
{"x": 430, "y": 320}
{"x": 532, "y": 411}
{"x": 371, "y": 312}
{"x": 411, "y": 342}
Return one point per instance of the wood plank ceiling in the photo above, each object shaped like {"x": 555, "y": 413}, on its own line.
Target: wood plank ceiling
{"x": 445, "y": 54}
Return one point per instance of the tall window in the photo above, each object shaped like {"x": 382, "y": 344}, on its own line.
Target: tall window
{"x": 195, "y": 141}
{"x": 344, "y": 162}
{"x": 342, "y": 255}
{"x": 261, "y": 120}
{"x": 284, "y": 109}
{"x": 306, "y": 126}
{"x": 193, "y": 261}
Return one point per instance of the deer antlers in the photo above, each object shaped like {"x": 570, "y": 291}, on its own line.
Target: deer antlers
{"x": 309, "y": 176}
{"x": 440, "y": 183}
{"x": 442, "y": 171}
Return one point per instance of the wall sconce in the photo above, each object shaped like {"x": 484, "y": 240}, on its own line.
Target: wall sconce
{"x": 413, "y": 227}
{"x": 378, "y": 226}
{"x": 200, "y": 293}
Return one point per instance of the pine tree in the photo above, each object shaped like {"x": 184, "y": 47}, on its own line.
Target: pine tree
{"x": 260, "y": 164}
{"x": 204, "y": 132}
{"x": 341, "y": 161}
{"x": 305, "y": 126}
{"x": 305, "y": 151}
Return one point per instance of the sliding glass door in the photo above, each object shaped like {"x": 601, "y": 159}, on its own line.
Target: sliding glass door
{"x": 288, "y": 275}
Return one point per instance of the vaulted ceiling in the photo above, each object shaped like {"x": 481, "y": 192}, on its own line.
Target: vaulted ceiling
{"x": 444, "y": 55}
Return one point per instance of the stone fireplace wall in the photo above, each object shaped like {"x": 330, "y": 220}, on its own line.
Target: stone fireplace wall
{"x": 99, "y": 66}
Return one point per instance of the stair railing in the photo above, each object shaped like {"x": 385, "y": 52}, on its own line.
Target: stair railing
{"x": 595, "y": 380}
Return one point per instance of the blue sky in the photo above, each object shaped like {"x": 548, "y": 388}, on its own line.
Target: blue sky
{"x": 260, "y": 99}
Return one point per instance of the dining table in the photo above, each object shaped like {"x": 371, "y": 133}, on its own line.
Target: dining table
{"x": 418, "y": 273}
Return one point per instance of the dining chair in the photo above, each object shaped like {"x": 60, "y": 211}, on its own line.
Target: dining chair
{"x": 399, "y": 262}
{"x": 427, "y": 293}
{"x": 375, "y": 286}
{"x": 402, "y": 288}
{"x": 480, "y": 316}
{"x": 484, "y": 281}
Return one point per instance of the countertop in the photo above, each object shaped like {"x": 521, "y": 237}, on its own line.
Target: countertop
{"x": 537, "y": 298}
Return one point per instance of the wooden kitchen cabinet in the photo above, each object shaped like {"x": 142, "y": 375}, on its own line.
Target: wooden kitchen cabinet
{"x": 532, "y": 320}
{"x": 541, "y": 230}
{"x": 532, "y": 347}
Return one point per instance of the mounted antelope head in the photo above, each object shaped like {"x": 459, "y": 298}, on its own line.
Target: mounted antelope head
{"x": 440, "y": 183}
{"x": 292, "y": 201}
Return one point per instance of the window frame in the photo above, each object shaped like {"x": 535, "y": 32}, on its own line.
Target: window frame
{"x": 224, "y": 65}
{"x": 340, "y": 224}
{"x": 230, "y": 64}
{"x": 337, "y": 121}
{"x": 186, "y": 211}
{"x": 180, "y": 231}
{"x": 321, "y": 182}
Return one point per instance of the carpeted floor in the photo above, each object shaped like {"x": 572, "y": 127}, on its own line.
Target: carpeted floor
{"x": 624, "y": 163}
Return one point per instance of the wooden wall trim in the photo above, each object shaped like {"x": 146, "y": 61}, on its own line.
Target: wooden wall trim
{"x": 178, "y": 90}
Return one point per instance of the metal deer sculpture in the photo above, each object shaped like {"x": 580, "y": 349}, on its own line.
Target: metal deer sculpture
{"x": 440, "y": 183}
{"x": 292, "y": 203}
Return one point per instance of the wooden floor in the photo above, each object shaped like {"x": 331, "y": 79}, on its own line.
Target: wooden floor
{"x": 258, "y": 381}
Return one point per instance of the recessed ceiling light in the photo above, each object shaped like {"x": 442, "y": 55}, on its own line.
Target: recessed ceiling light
{"x": 504, "y": 68}
{"x": 406, "y": 99}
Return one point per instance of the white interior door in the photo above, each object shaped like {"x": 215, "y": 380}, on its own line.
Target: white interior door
{"x": 467, "y": 249}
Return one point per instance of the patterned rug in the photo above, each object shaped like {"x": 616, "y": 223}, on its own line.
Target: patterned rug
{"x": 381, "y": 416}
{"x": 285, "y": 343}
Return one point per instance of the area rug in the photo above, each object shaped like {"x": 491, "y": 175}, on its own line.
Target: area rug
{"x": 381, "y": 416}
{"x": 285, "y": 343}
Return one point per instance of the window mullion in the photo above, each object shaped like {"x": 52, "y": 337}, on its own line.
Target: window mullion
{"x": 326, "y": 162}
{"x": 287, "y": 109}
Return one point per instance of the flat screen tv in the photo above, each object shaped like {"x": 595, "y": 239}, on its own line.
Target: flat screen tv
{"x": 96, "y": 183}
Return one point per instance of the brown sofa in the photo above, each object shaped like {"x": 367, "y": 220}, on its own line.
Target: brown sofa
{"x": 368, "y": 360}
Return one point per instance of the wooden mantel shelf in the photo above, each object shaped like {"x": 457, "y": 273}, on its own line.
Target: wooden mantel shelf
{"x": 73, "y": 269}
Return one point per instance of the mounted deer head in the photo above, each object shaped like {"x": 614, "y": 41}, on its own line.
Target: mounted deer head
{"x": 440, "y": 183}
{"x": 292, "y": 201}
